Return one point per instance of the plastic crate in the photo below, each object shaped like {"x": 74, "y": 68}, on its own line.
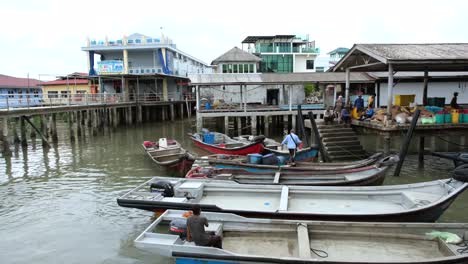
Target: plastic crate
{"x": 404, "y": 99}
{"x": 436, "y": 101}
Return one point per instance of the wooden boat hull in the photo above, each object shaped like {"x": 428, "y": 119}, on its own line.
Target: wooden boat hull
{"x": 306, "y": 154}
{"x": 301, "y": 167}
{"x": 364, "y": 176}
{"x": 422, "y": 202}
{"x": 255, "y": 147}
{"x": 173, "y": 158}
{"x": 253, "y": 240}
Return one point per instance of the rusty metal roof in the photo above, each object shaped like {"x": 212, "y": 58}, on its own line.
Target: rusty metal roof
{"x": 15, "y": 82}
{"x": 276, "y": 78}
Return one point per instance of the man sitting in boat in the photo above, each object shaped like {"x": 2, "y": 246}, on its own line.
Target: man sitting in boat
{"x": 196, "y": 230}
{"x": 292, "y": 141}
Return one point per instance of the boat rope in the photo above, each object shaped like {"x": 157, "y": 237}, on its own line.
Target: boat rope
{"x": 453, "y": 143}
{"x": 317, "y": 251}
{"x": 464, "y": 247}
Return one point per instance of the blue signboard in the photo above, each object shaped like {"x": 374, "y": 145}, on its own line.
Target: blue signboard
{"x": 110, "y": 67}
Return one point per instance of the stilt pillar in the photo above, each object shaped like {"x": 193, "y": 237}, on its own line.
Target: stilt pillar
{"x": 387, "y": 142}
{"x": 181, "y": 111}
{"x": 70, "y": 126}
{"x": 4, "y": 137}
{"x": 253, "y": 124}
{"x": 53, "y": 128}
{"x": 266, "y": 125}
{"x": 24, "y": 140}
{"x": 239, "y": 126}
{"x": 226, "y": 125}
{"x": 16, "y": 138}
{"x": 44, "y": 131}
{"x": 421, "y": 153}
{"x": 140, "y": 114}
{"x": 199, "y": 123}
{"x": 171, "y": 110}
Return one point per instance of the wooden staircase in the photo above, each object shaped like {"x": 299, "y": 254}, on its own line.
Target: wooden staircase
{"x": 341, "y": 142}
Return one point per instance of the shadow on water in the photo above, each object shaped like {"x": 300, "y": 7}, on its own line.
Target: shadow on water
{"x": 59, "y": 203}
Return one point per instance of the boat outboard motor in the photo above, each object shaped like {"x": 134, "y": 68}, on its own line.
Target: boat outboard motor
{"x": 461, "y": 173}
{"x": 178, "y": 226}
{"x": 164, "y": 187}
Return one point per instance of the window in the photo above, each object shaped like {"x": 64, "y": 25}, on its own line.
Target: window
{"x": 11, "y": 94}
{"x": 309, "y": 64}
{"x": 225, "y": 68}
{"x": 64, "y": 94}
{"x": 81, "y": 92}
{"x": 36, "y": 93}
{"x": 246, "y": 68}
{"x": 251, "y": 68}
{"x": 241, "y": 68}
{"x": 235, "y": 68}
{"x": 320, "y": 69}
{"x": 52, "y": 94}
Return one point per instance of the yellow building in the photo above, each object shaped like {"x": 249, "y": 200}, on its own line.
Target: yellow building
{"x": 72, "y": 88}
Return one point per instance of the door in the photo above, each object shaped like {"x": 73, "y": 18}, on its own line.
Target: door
{"x": 272, "y": 96}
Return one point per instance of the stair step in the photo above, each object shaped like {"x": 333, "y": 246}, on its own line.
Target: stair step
{"x": 347, "y": 129}
{"x": 332, "y": 126}
{"x": 337, "y": 134}
{"x": 343, "y": 147}
{"x": 346, "y": 153}
{"x": 342, "y": 143}
{"x": 340, "y": 139}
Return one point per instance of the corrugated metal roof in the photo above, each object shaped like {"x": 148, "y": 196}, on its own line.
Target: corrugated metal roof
{"x": 64, "y": 82}
{"x": 406, "y": 57}
{"x": 14, "y": 82}
{"x": 276, "y": 78}
{"x": 236, "y": 55}
{"x": 339, "y": 50}
{"x": 403, "y": 75}
{"x": 439, "y": 51}
{"x": 254, "y": 39}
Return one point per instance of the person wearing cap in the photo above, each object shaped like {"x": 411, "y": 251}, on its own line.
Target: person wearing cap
{"x": 454, "y": 103}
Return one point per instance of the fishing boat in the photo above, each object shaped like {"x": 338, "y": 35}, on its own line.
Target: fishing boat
{"x": 282, "y": 153}
{"x": 458, "y": 158}
{"x": 253, "y": 240}
{"x": 169, "y": 154}
{"x": 419, "y": 202}
{"x": 362, "y": 176}
{"x": 219, "y": 143}
{"x": 240, "y": 162}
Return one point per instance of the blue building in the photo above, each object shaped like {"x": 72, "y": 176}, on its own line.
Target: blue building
{"x": 142, "y": 66}
{"x": 19, "y": 92}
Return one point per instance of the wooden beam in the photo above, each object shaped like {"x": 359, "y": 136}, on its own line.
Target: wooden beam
{"x": 390, "y": 90}
{"x": 426, "y": 81}
{"x": 44, "y": 140}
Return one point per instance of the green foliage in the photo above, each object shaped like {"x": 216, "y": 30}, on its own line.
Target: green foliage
{"x": 310, "y": 88}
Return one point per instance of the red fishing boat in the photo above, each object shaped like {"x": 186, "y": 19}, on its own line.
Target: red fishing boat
{"x": 219, "y": 143}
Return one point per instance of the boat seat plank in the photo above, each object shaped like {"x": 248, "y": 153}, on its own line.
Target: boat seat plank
{"x": 277, "y": 177}
{"x": 303, "y": 241}
{"x": 284, "y": 199}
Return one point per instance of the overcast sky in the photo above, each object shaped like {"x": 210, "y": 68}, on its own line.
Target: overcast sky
{"x": 45, "y": 37}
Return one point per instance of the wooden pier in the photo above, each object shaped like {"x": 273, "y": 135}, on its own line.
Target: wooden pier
{"x": 94, "y": 116}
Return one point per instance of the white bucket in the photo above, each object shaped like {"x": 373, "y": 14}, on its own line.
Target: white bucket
{"x": 163, "y": 143}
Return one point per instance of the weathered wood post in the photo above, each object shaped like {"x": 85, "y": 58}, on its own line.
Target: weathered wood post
{"x": 24, "y": 140}
{"x": 171, "y": 111}
{"x": 16, "y": 138}
{"x": 253, "y": 124}
{"x": 421, "y": 152}
{"x": 406, "y": 142}
{"x": 266, "y": 125}
{"x": 226, "y": 125}
{"x": 4, "y": 137}
{"x": 53, "y": 128}
{"x": 70, "y": 126}
{"x": 78, "y": 124}
{"x": 44, "y": 132}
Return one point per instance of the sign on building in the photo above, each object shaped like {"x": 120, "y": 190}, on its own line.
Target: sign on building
{"x": 110, "y": 67}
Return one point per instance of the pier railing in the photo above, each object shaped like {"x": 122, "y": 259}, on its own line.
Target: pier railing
{"x": 11, "y": 101}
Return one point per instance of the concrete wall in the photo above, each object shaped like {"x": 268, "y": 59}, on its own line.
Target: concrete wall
{"x": 300, "y": 63}
{"x": 142, "y": 59}
{"x": 255, "y": 93}
{"x": 435, "y": 89}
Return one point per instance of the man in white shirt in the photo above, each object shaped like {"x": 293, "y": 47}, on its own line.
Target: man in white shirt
{"x": 292, "y": 141}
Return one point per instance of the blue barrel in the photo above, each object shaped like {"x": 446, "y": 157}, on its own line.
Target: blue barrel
{"x": 207, "y": 106}
{"x": 448, "y": 118}
{"x": 254, "y": 158}
{"x": 209, "y": 138}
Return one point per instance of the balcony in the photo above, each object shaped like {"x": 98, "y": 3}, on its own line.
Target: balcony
{"x": 145, "y": 70}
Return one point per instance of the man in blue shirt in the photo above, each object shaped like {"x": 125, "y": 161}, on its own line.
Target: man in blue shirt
{"x": 359, "y": 103}
{"x": 292, "y": 141}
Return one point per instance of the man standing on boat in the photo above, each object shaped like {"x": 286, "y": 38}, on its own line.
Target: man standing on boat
{"x": 292, "y": 141}
{"x": 196, "y": 230}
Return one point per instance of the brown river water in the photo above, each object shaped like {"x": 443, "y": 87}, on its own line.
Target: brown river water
{"x": 58, "y": 205}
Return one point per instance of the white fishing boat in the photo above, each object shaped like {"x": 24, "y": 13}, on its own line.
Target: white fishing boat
{"x": 419, "y": 202}
{"x": 251, "y": 240}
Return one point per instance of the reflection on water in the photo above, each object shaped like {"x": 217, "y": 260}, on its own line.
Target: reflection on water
{"x": 58, "y": 204}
